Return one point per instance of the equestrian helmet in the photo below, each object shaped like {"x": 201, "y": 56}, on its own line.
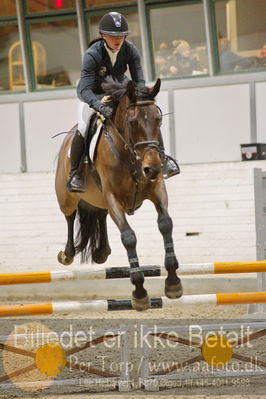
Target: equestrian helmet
{"x": 114, "y": 24}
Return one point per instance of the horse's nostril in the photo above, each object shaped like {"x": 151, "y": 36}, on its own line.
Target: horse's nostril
{"x": 151, "y": 173}
{"x": 147, "y": 170}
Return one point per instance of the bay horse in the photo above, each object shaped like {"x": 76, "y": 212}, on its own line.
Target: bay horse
{"x": 128, "y": 161}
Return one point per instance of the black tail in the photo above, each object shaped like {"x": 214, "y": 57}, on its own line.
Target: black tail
{"x": 88, "y": 230}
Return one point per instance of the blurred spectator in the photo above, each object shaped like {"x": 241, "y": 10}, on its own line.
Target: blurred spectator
{"x": 163, "y": 62}
{"x": 230, "y": 61}
{"x": 175, "y": 42}
{"x": 162, "y": 66}
{"x": 186, "y": 62}
{"x": 261, "y": 57}
{"x": 163, "y": 50}
{"x": 178, "y": 61}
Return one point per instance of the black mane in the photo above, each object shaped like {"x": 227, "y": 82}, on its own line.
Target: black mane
{"x": 114, "y": 88}
{"x": 118, "y": 90}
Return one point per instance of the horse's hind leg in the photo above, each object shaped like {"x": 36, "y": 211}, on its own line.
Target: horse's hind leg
{"x": 101, "y": 253}
{"x": 66, "y": 257}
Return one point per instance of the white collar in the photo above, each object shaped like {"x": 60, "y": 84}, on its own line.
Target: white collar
{"x": 112, "y": 54}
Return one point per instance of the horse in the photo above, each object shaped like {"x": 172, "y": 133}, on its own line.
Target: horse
{"x": 128, "y": 160}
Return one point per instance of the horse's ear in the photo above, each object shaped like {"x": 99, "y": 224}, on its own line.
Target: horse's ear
{"x": 156, "y": 88}
{"x": 131, "y": 91}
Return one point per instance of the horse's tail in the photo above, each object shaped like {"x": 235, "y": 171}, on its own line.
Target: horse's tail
{"x": 88, "y": 230}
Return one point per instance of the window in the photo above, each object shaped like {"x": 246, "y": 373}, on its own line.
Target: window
{"x": 7, "y": 8}
{"x": 176, "y": 29}
{"x": 178, "y": 40}
{"x": 39, "y": 6}
{"x": 241, "y": 34}
{"x": 11, "y": 70}
{"x": 90, "y": 3}
{"x": 56, "y": 54}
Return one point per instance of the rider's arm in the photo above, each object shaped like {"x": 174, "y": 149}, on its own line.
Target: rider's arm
{"x": 86, "y": 83}
{"x": 135, "y": 67}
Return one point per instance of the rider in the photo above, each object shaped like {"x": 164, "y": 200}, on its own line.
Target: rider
{"x": 108, "y": 55}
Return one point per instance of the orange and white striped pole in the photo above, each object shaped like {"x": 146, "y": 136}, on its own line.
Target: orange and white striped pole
{"x": 226, "y": 267}
{"x": 93, "y": 273}
{"x": 125, "y": 304}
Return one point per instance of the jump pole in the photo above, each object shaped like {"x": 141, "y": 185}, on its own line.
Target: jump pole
{"x": 125, "y": 304}
{"x": 93, "y": 273}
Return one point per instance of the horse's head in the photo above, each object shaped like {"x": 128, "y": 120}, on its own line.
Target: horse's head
{"x": 142, "y": 127}
{"x": 138, "y": 119}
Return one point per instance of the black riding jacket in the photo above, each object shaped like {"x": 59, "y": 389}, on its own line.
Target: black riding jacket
{"x": 97, "y": 66}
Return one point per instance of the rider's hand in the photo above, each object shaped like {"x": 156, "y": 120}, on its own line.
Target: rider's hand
{"x": 106, "y": 111}
{"x": 106, "y": 99}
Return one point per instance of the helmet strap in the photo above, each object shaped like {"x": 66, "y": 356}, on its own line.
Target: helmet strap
{"x": 106, "y": 42}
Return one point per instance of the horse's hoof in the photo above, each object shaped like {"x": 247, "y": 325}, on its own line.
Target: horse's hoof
{"x": 99, "y": 256}
{"x": 64, "y": 259}
{"x": 141, "y": 304}
{"x": 173, "y": 291}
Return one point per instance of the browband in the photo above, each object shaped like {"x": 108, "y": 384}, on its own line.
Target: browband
{"x": 141, "y": 103}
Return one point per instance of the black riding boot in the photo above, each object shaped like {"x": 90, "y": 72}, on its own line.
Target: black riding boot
{"x": 76, "y": 181}
{"x": 170, "y": 166}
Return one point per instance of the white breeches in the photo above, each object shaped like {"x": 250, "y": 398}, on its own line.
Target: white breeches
{"x": 84, "y": 114}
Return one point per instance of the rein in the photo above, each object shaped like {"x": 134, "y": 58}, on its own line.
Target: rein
{"x": 130, "y": 165}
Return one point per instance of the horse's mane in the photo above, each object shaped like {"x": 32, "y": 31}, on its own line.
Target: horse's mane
{"x": 118, "y": 90}
{"x": 114, "y": 88}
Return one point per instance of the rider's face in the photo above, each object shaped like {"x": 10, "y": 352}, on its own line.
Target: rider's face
{"x": 114, "y": 42}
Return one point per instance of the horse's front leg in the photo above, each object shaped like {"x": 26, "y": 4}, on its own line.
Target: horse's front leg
{"x": 173, "y": 286}
{"x": 140, "y": 299}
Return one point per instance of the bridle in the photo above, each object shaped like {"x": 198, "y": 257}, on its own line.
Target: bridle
{"x": 147, "y": 143}
{"x": 130, "y": 146}
{"x": 133, "y": 160}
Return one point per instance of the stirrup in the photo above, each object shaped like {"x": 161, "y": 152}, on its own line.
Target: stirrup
{"x": 170, "y": 167}
{"x": 76, "y": 183}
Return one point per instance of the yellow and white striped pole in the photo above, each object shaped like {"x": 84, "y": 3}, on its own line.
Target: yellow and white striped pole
{"x": 125, "y": 304}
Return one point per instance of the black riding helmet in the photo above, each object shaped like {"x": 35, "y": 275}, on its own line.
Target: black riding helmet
{"x": 113, "y": 24}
